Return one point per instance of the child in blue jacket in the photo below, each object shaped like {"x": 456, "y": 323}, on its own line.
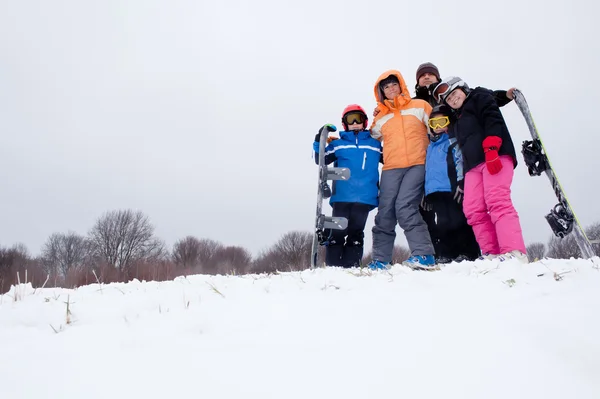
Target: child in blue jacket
{"x": 452, "y": 237}
{"x": 356, "y": 197}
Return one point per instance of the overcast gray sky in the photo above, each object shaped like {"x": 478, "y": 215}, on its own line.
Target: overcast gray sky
{"x": 201, "y": 114}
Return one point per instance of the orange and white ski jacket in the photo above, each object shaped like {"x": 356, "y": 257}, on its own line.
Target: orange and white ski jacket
{"x": 402, "y": 126}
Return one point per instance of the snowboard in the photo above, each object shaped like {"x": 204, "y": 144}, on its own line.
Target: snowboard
{"x": 324, "y": 223}
{"x": 561, "y": 218}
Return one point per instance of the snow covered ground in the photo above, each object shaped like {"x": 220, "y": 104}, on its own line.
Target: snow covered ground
{"x": 474, "y": 330}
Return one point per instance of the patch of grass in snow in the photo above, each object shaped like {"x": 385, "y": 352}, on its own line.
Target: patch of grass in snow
{"x": 214, "y": 289}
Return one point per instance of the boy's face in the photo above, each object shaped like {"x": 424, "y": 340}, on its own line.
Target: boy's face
{"x": 356, "y": 127}
{"x": 439, "y": 124}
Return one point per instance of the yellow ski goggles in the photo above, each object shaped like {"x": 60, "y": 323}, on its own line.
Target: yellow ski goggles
{"x": 439, "y": 122}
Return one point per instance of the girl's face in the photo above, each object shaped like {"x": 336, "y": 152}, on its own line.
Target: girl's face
{"x": 456, "y": 98}
{"x": 391, "y": 90}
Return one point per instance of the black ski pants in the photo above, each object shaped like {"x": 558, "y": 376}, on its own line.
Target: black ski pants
{"x": 345, "y": 247}
{"x": 450, "y": 233}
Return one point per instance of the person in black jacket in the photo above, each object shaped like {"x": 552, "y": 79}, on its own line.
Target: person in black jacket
{"x": 489, "y": 160}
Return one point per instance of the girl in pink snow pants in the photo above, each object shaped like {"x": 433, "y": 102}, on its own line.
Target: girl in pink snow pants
{"x": 489, "y": 161}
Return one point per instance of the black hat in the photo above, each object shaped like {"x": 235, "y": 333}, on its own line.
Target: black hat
{"x": 441, "y": 109}
{"x": 428, "y": 67}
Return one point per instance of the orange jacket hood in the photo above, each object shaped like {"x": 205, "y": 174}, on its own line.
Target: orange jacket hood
{"x": 402, "y": 99}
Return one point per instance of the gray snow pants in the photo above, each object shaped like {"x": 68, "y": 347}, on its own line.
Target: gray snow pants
{"x": 400, "y": 193}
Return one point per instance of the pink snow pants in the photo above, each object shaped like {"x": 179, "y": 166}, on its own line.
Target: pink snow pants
{"x": 490, "y": 211}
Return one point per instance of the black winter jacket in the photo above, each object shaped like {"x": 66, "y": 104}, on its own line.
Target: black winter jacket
{"x": 479, "y": 118}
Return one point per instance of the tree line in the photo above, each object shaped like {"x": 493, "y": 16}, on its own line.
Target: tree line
{"x": 122, "y": 245}
{"x": 564, "y": 248}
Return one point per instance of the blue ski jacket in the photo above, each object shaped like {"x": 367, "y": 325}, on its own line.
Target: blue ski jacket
{"x": 443, "y": 165}
{"x": 360, "y": 153}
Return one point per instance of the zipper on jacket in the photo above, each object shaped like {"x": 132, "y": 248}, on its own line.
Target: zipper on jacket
{"x": 364, "y": 160}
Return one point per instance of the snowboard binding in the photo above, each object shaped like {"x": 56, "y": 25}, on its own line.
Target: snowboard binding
{"x": 534, "y": 157}
{"x": 324, "y": 236}
{"x": 560, "y": 221}
{"x": 325, "y": 190}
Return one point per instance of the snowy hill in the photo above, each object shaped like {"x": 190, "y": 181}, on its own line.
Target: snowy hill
{"x": 474, "y": 330}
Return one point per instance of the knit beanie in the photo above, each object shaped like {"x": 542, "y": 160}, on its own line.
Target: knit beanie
{"x": 428, "y": 67}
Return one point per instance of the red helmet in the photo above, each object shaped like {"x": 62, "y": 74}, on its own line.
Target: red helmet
{"x": 354, "y": 108}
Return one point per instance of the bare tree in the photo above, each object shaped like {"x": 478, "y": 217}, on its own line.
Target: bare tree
{"x": 291, "y": 252}
{"x": 266, "y": 262}
{"x": 208, "y": 250}
{"x": 294, "y": 250}
{"x": 64, "y": 252}
{"x": 191, "y": 253}
{"x": 566, "y": 248}
{"x": 12, "y": 260}
{"x": 593, "y": 233}
{"x": 563, "y": 248}
{"x": 123, "y": 237}
{"x": 535, "y": 251}
{"x": 233, "y": 260}
{"x": 186, "y": 252}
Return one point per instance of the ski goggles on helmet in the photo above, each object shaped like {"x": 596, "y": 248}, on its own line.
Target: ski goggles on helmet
{"x": 354, "y": 117}
{"x": 439, "y": 122}
{"x": 442, "y": 90}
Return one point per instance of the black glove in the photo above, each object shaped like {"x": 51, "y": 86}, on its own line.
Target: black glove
{"x": 330, "y": 128}
{"x": 426, "y": 206}
{"x": 459, "y": 192}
